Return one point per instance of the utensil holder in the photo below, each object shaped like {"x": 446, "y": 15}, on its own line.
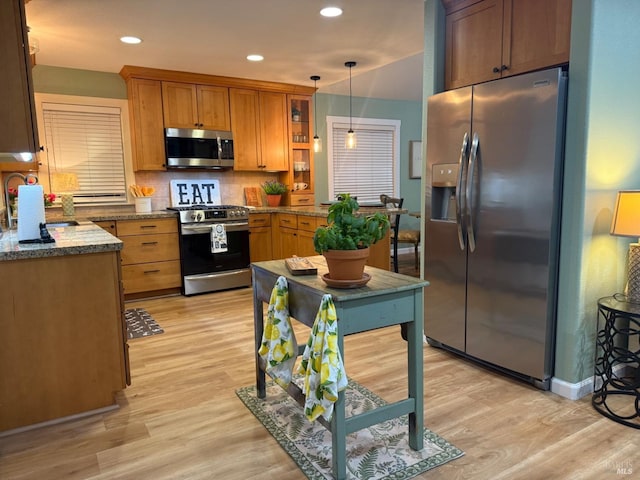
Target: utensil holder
{"x": 143, "y": 204}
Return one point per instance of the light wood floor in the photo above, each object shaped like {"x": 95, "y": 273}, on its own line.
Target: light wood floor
{"x": 181, "y": 419}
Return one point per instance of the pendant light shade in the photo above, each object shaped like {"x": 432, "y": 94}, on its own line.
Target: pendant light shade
{"x": 317, "y": 143}
{"x": 350, "y": 142}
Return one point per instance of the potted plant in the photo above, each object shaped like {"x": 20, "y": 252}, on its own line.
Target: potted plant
{"x": 274, "y": 190}
{"x": 345, "y": 240}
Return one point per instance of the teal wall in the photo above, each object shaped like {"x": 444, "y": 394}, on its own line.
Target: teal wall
{"x": 71, "y": 81}
{"x": 602, "y": 157}
{"x": 410, "y": 115}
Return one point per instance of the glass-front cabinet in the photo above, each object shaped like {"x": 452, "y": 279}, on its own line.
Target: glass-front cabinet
{"x": 299, "y": 178}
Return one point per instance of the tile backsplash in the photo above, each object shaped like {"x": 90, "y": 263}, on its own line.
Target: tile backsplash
{"x": 231, "y": 184}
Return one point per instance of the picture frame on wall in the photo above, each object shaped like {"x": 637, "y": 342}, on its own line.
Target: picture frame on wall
{"x": 415, "y": 159}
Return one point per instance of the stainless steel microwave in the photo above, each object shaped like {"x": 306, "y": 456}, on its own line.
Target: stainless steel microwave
{"x": 196, "y": 148}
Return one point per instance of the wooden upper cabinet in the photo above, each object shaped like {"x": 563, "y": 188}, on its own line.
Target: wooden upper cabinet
{"x": 537, "y": 34}
{"x": 259, "y": 126}
{"x": 473, "y": 44}
{"x": 18, "y": 129}
{"x": 490, "y": 39}
{"x": 273, "y": 131}
{"x": 145, "y": 110}
{"x": 188, "y": 105}
{"x": 245, "y": 125}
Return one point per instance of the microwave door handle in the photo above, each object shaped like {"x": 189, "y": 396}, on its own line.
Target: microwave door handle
{"x": 219, "y": 148}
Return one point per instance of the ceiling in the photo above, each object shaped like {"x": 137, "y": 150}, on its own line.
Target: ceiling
{"x": 384, "y": 37}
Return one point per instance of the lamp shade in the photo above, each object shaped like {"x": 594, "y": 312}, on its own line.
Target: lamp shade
{"x": 64, "y": 182}
{"x": 626, "y": 218}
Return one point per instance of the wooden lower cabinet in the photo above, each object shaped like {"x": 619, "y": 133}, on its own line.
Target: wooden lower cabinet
{"x": 260, "y": 245}
{"x": 150, "y": 256}
{"x": 292, "y": 234}
{"x": 63, "y": 337}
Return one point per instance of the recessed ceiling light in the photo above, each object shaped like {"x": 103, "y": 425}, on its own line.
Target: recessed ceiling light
{"x": 131, "y": 40}
{"x": 255, "y": 58}
{"x": 331, "y": 12}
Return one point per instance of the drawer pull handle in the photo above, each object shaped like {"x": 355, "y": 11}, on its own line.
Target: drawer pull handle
{"x": 303, "y": 200}
{"x": 305, "y": 223}
{"x": 149, "y": 243}
{"x": 148, "y": 226}
{"x": 151, "y": 271}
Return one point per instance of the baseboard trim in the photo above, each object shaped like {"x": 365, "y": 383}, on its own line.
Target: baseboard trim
{"x": 572, "y": 391}
{"x": 55, "y": 421}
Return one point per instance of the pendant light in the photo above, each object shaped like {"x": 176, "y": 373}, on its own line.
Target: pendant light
{"x": 350, "y": 142}
{"x": 317, "y": 143}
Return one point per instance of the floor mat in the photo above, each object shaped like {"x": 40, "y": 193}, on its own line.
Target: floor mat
{"x": 140, "y": 323}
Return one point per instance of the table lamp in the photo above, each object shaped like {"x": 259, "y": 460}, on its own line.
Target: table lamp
{"x": 626, "y": 223}
{"x": 65, "y": 184}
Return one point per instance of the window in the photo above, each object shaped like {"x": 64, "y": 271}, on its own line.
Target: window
{"x": 373, "y": 167}
{"x": 85, "y": 136}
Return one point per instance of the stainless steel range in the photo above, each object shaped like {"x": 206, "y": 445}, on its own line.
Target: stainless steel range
{"x": 214, "y": 248}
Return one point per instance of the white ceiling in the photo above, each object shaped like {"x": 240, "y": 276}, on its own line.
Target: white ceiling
{"x": 384, "y": 37}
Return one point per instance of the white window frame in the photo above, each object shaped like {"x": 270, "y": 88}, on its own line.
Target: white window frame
{"x": 45, "y": 170}
{"x": 370, "y": 123}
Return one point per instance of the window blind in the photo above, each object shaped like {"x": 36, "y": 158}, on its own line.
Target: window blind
{"x": 368, "y": 170}
{"x": 87, "y": 140}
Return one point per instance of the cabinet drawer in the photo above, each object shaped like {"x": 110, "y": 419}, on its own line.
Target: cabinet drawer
{"x": 308, "y": 223}
{"x": 259, "y": 220}
{"x": 288, "y": 220}
{"x": 109, "y": 226}
{"x": 299, "y": 200}
{"x": 149, "y": 226}
{"x": 150, "y": 248}
{"x": 151, "y": 276}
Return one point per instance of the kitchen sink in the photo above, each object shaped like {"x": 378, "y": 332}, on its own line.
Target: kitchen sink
{"x": 65, "y": 223}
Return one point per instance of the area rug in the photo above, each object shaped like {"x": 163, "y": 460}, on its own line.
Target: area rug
{"x": 378, "y": 452}
{"x": 140, "y": 323}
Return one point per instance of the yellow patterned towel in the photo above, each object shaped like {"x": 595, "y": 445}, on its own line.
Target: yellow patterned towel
{"x": 279, "y": 348}
{"x": 322, "y": 366}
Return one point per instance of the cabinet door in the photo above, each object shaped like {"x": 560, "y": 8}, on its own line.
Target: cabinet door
{"x": 260, "y": 244}
{"x": 145, "y": 110}
{"x": 17, "y": 109}
{"x": 288, "y": 243}
{"x": 474, "y": 44}
{"x": 273, "y": 131}
{"x": 536, "y": 34}
{"x": 245, "y": 125}
{"x": 213, "y": 107}
{"x": 179, "y": 102}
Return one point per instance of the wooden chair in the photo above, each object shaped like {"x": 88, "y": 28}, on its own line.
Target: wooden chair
{"x": 411, "y": 236}
{"x": 395, "y": 225}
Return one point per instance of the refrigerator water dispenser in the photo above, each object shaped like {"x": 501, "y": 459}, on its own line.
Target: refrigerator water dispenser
{"x": 443, "y": 191}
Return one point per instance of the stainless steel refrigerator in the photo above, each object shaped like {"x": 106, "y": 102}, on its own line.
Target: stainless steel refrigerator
{"x": 492, "y": 228}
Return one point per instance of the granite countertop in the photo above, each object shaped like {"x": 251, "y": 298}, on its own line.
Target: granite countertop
{"x": 322, "y": 211}
{"x": 84, "y": 238}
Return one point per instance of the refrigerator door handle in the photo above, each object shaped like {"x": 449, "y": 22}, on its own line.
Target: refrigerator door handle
{"x": 462, "y": 163}
{"x": 469, "y": 192}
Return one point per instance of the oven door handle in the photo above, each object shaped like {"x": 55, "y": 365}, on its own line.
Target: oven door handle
{"x": 206, "y": 228}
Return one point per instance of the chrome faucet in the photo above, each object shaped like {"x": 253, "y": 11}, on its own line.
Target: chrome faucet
{"x": 25, "y": 179}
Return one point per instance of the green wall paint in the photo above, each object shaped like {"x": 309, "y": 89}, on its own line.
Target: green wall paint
{"x": 71, "y": 81}
{"x": 410, "y": 116}
{"x": 602, "y": 157}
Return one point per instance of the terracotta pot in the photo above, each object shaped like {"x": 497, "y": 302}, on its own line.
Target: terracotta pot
{"x": 273, "y": 200}
{"x": 346, "y": 264}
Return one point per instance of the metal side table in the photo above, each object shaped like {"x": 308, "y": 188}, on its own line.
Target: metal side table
{"x": 617, "y": 365}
